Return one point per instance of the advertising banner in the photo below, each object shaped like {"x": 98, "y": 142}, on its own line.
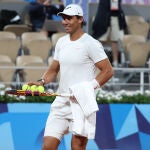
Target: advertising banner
{"x": 118, "y": 127}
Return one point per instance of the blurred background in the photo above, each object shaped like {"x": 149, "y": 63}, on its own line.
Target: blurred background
{"x": 132, "y": 72}
{"x": 26, "y": 51}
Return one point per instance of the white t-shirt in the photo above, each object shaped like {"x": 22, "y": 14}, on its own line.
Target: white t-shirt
{"x": 77, "y": 59}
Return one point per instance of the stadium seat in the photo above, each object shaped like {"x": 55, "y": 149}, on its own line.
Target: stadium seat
{"x": 6, "y": 72}
{"x": 7, "y": 35}
{"x": 18, "y": 29}
{"x": 26, "y": 59}
{"x": 140, "y": 28}
{"x": 29, "y": 36}
{"x": 40, "y": 47}
{"x": 32, "y": 67}
{"x": 127, "y": 39}
{"x": 4, "y": 58}
{"x": 132, "y": 18}
{"x": 10, "y": 47}
{"x": 36, "y": 73}
{"x": 138, "y": 53}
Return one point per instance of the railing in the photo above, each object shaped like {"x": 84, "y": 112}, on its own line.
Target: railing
{"x": 120, "y": 80}
{"x": 122, "y": 76}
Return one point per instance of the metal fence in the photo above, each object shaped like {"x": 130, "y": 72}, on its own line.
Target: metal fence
{"x": 130, "y": 79}
{"x": 123, "y": 79}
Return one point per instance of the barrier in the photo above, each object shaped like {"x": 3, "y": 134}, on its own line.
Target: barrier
{"x": 118, "y": 81}
{"x": 119, "y": 127}
{"x": 22, "y": 126}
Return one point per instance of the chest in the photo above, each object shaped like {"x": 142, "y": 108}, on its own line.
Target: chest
{"x": 73, "y": 53}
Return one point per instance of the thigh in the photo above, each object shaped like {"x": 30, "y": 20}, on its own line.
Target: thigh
{"x": 116, "y": 33}
{"x": 56, "y": 127}
{"x": 78, "y": 142}
{"x": 105, "y": 36}
{"x": 58, "y": 121}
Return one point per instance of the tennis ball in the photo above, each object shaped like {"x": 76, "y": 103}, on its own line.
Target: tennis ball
{"x": 41, "y": 89}
{"x": 25, "y": 87}
{"x": 33, "y": 88}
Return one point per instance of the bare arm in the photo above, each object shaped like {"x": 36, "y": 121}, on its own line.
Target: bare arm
{"x": 106, "y": 71}
{"x": 49, "y": 75}
{"x": 52, "y": 72}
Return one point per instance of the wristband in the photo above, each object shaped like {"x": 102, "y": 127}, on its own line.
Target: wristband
{"x": 95, "y": 84}
{"x": 42, "y": 80}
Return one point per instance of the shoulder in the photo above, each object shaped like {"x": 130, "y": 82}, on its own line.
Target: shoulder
{"x": 62, "y": 39}
{"x": 87, "y": 37}
{"x": 90, "y": 41}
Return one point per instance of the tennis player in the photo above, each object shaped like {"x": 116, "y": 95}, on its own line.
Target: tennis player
{"x": 77, "y": 55}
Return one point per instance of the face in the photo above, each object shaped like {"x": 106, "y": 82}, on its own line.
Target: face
{"x": 72, "y": 23}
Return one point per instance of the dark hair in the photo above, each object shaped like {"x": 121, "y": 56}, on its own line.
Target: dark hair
{"x": 83, "y": 23}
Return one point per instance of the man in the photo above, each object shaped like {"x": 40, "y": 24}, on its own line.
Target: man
{"x": 53, "y": 9}
{"x": 109, "y": 23}
{"x": 41, "y": 10}
{"x": 77, "y": 55}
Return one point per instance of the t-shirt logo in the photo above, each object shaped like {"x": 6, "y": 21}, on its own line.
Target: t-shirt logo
{"x": 68, "y": 7}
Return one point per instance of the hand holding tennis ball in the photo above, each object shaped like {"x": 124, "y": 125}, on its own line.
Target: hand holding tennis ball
{"x": 26, "y": 87}
{"x": 40, "y": 89}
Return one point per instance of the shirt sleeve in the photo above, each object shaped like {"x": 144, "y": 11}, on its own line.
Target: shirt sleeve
{"x": 56, "y": 52}
{"x": 96, "y": 51}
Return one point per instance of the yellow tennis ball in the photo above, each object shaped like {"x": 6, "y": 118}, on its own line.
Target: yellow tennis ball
{"x": 41, "y": 89}
{"x": 25, "y": 87}
{"x": 33, "y": 88}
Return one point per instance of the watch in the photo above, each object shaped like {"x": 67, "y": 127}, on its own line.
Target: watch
{"x": 42, "y": 80}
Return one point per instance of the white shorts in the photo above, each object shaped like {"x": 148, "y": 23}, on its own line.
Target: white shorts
{"x": 59, "y": 121}
{"x": 113, "y": 33}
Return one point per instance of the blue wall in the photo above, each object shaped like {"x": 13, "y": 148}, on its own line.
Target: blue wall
{"x": 119, "y": 127}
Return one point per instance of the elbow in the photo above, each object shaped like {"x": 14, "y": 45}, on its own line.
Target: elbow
{"x": 110, "y": 73}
